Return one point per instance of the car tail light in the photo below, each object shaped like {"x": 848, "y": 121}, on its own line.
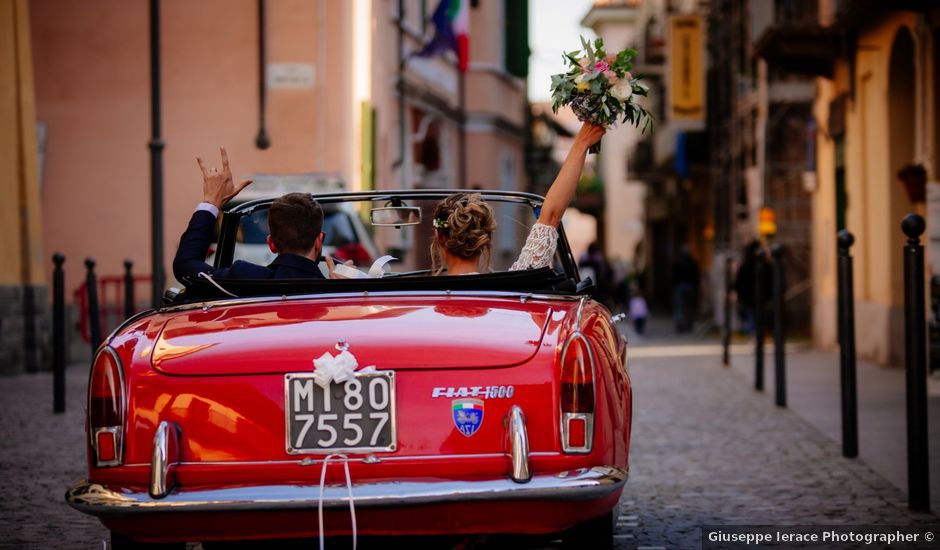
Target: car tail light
{"x": 577, "y": 395}
{"x": 355, "y": 252}
{"x": 106, "y": 409}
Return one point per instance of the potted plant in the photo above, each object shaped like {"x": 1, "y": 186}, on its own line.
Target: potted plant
{"x": 914, "y": 179}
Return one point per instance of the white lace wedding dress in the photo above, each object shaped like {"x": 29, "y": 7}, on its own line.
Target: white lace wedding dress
{"x": 539, "y": 248}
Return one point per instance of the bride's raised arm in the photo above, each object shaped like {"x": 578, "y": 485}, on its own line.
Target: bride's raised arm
{"x": 562, "y": 190}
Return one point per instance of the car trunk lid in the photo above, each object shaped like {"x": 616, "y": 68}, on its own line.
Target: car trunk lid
{"x": 413, "y": 333}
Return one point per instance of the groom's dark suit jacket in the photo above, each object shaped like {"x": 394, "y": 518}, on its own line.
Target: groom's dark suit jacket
{"x": 194, "y": 245}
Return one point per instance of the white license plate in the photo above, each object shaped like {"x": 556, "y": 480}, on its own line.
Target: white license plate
{"x": 353, "y": 416}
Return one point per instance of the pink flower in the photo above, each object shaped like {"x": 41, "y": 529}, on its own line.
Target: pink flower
{"x": 628, "y": 76}
{"x": 601, "y": 66}
{"x": 584, "y": 63}
{"x": 611, "y": 57}
{"x": 611, "y": 76}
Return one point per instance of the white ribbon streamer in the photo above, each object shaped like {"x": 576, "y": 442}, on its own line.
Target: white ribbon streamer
{"x": 352, "y": 505}
{"x": 377, "y": 271}
{"x": 378, "y": 267}
{"x": 209, "y": 278}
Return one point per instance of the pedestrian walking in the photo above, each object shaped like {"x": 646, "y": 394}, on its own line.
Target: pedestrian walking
{"x": 594, "y": 264}
{"x": 639, "y": 312}
{"x": 685, "y": 283}
{"x": 744, "y": 285}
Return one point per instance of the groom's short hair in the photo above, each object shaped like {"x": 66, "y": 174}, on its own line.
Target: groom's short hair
{"x": 295, "y": 221}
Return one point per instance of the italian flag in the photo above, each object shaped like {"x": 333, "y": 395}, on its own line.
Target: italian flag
{"x": 451, "y": 31}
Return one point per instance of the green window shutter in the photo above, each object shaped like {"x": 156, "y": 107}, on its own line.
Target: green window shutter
{"x": 368, "y": 146}
{"x": 517, "y": 37}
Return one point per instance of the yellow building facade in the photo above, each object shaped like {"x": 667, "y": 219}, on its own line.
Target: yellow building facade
{"x": 23, "y": 290}
{"x": 875, "y": 115}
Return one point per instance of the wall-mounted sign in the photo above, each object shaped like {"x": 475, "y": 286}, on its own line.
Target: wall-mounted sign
{"x": 687, "y": 70}
{"x": 933, "y": 226}
{"x": 290, "y": 76}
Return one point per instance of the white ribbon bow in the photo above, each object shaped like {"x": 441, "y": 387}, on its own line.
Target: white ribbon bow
{"x": 338, "y": 368}
{"x": 329, "y": 368}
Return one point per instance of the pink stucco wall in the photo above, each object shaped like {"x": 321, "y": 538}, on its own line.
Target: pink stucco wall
{"x": 91, "y": 61}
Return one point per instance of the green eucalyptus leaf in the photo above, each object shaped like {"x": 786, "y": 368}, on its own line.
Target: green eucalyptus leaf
{"x": 597, "y": 85}
{"x": 587, "y": 49}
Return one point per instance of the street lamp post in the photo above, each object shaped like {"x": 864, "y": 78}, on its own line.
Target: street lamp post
{"x": 156, "y": 158}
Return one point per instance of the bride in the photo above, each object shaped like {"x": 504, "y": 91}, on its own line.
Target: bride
{"x": 464, "y": 223}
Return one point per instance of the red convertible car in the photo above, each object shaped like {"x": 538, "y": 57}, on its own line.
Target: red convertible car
{"x": 400, "y": 404}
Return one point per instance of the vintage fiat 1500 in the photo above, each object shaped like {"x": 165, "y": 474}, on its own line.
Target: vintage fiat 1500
{"x": 425, "y": 404}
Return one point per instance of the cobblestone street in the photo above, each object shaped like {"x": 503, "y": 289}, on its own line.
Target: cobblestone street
{"x": 706, "y": 450}
{"x": 42, "y": 454}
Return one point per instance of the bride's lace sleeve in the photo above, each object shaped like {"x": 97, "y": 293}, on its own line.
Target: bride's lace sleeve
{"x": 539, "y": 248}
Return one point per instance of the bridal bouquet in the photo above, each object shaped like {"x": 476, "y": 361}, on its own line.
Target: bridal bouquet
{"x": 600, "y": 88}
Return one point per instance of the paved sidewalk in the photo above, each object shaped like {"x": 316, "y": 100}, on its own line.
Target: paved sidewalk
{"x": 813, "y": 393}
{"x": 707, "y": 449}
{"x": 813, "y": 387}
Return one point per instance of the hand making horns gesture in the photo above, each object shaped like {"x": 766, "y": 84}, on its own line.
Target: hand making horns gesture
{"x": 218, "y": 187}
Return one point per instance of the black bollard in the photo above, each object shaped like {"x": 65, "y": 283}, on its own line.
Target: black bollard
{"x": 726, "y": 336}
{"x": 128, "y": 288}
{"x": 94, "y": 313}
{"x": 915, "y": 362}
{"x": 759, "y": 315}
{"x": 847, "y": 348}
{"x": 58, "y": 334}
{"x": 780, "y": 365}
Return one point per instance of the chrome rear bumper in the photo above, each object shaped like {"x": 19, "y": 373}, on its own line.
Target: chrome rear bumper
{"x": 582, "y": 484}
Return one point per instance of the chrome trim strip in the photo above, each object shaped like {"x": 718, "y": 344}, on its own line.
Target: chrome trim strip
{"x": 372, "y": 293}
{"x": 117, "y": 430}
{"x": 518, "y": 445}
{"x": 589, "y": 429}
{"x": 566, "y": 419}
{"x": 580, "y": 484}
{"x": 577, "y": 317}
{"x": 311, "y": 460}
{"x": 114, "y": 431}
{"x": 386, "y": 194}
{"x": 166, "y": 453}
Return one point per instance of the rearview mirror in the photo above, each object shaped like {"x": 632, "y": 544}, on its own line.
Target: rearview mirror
{"x": 395, "y": 216}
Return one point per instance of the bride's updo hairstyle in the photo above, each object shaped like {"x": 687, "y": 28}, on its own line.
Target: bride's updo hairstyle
{"x": 465, "y": 225}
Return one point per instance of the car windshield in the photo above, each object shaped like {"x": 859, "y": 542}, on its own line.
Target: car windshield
{"x": 350, "y": 235}
{"x": 361, "y": 228}
{"x": 337, "y": 225}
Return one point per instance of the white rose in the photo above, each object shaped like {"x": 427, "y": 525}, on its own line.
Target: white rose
{"x": 622, "y": 90}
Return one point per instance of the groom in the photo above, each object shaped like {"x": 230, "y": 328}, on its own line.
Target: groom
{"x": 295, "y": 221}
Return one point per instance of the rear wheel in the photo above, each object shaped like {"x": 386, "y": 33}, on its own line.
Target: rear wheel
{"x": 597, "y": 533}
{"x": 124, "y": 542}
